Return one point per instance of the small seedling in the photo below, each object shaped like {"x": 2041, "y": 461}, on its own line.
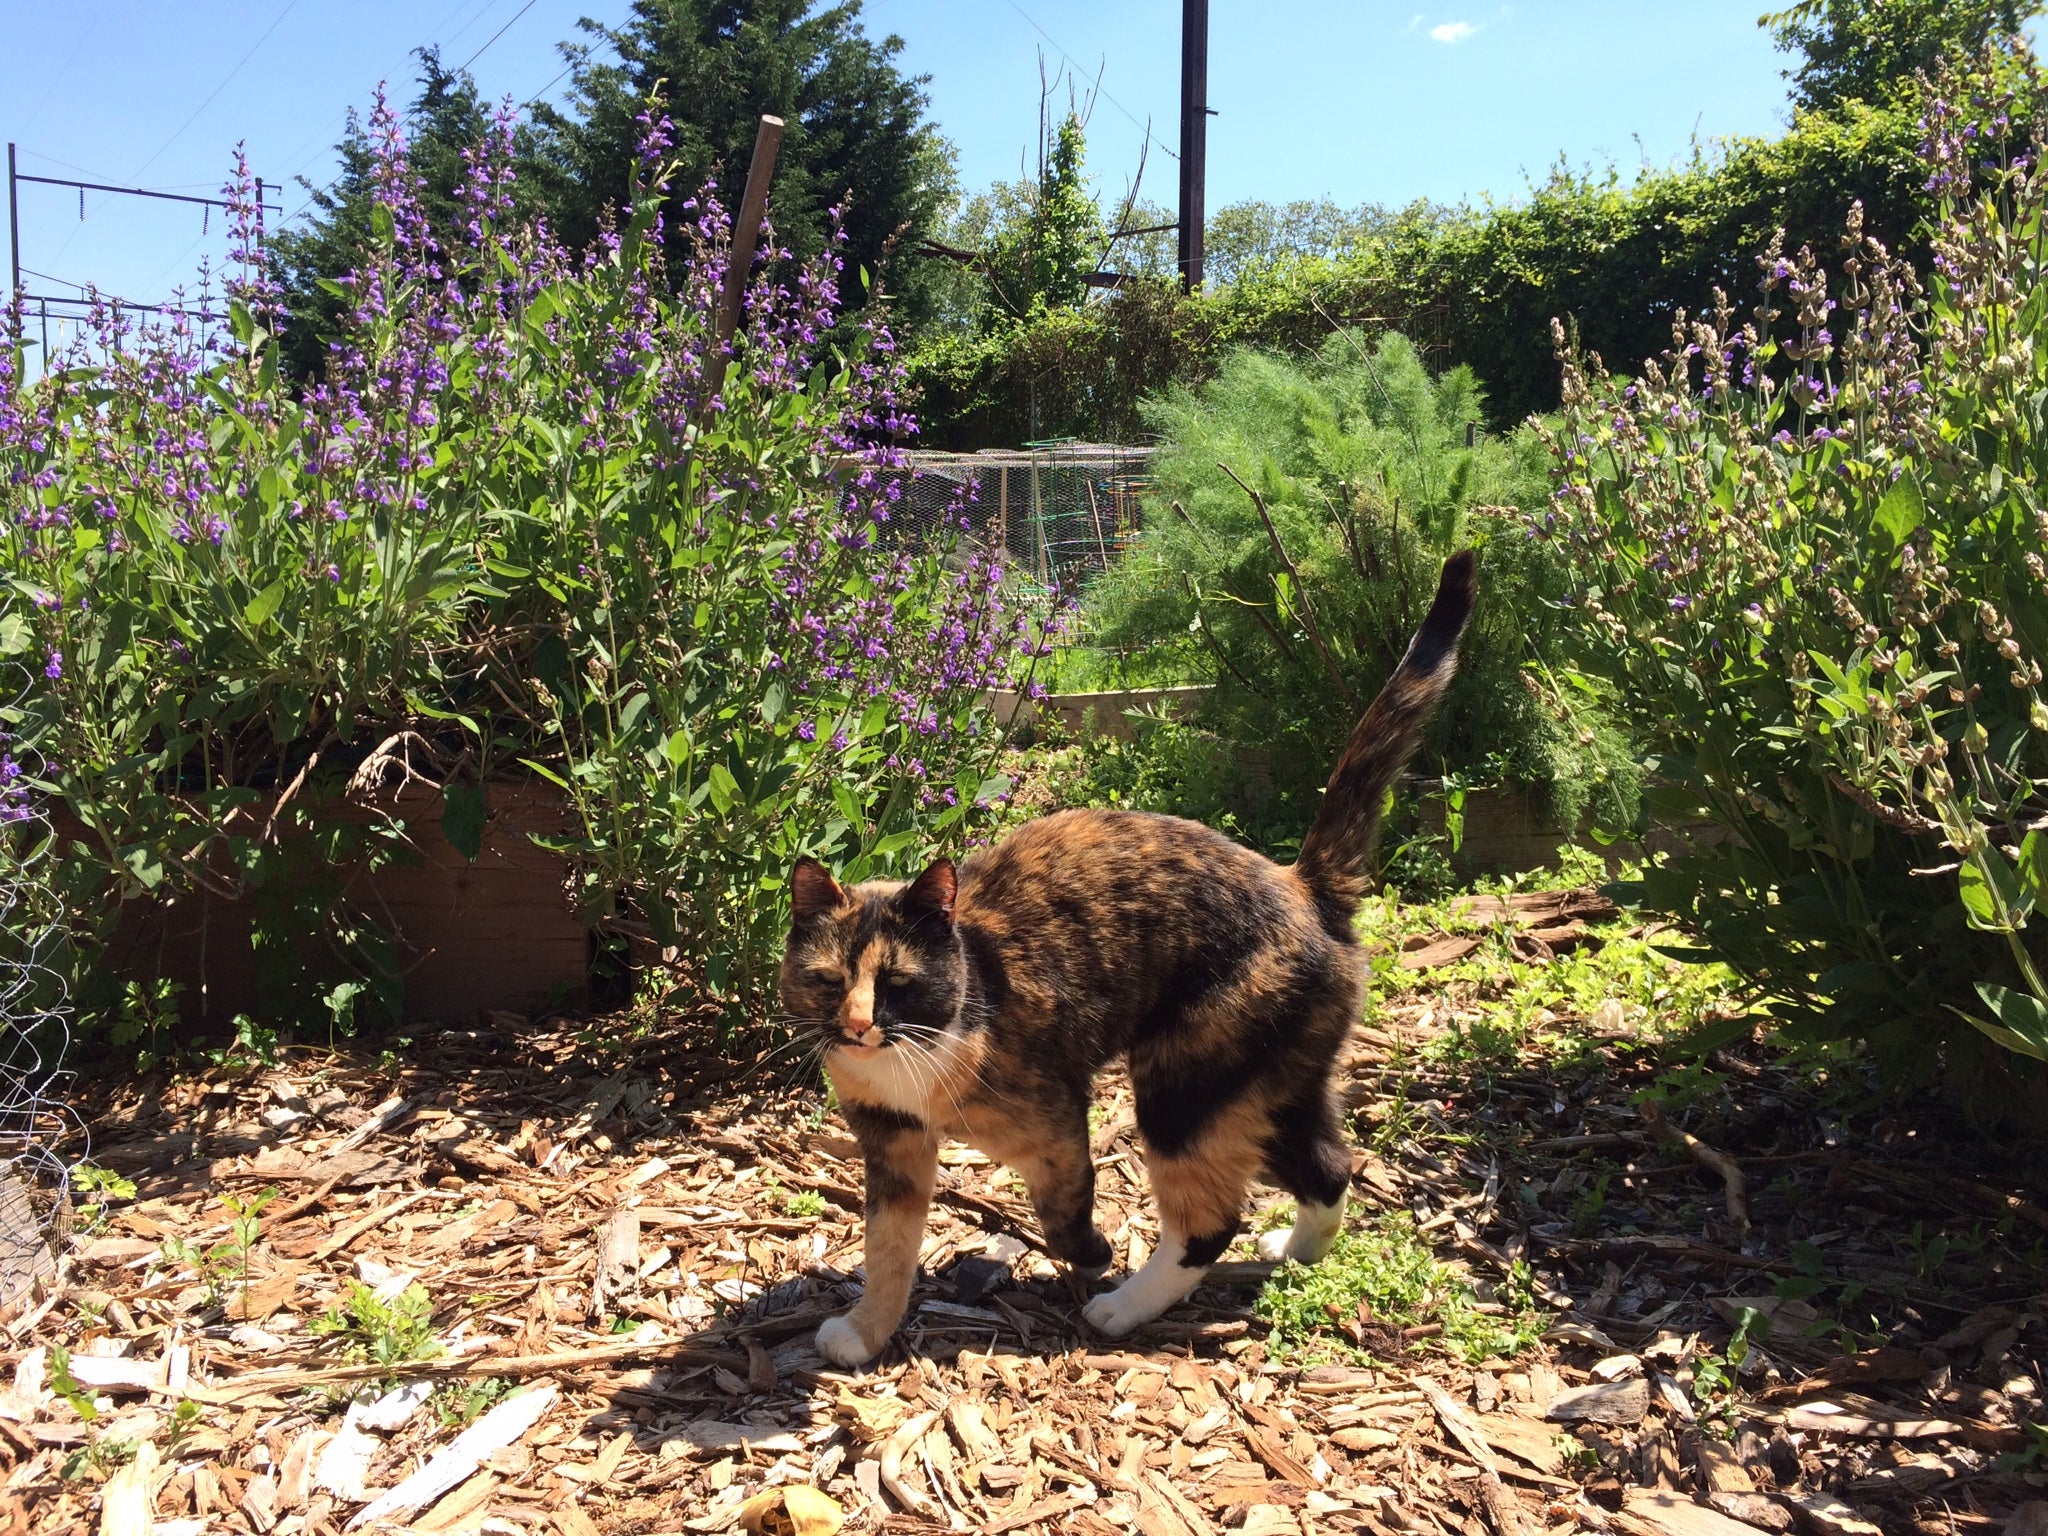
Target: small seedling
{"x": 1591, "y": 1203}
{"x": 100, "y": 1188}
{"x": 99, "y": 1453}
{"x": 147, "y": 1013}
{"x": 387, "y": 1333}
{"x": 254, "y": 1045}
{"x": 459, "y": 1402}
{"x": 226, "y": 1262}
{"x": 1715, "y": 1378}
{"x": 804, "y": 1202}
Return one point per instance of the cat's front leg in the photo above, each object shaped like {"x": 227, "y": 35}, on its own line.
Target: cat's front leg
{"x": 902, "y": 1156}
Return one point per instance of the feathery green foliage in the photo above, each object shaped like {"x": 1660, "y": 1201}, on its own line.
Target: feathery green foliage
{"x": 1360, "y": 460}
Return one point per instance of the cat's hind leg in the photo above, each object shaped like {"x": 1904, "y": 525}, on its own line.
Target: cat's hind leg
{"x": 1059, "y": 1173}
{"x": 1200, "y": 1194}
{"x": 1306, "y": 1155}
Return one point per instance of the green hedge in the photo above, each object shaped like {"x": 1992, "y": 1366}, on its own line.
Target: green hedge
{"x": 1481, "y": 287}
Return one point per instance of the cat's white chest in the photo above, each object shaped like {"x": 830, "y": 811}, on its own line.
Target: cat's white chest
{"x": 906, "y": 1078}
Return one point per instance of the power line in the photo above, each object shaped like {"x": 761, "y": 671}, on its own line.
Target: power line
{"x": 1144, "y": 128}
{"x": 290, "y": 5}
{"x": 331, "y": 184}
{"x": 319, "y": 139}
{"x": 57, "y": 74}
{"x": 495, "y": 36}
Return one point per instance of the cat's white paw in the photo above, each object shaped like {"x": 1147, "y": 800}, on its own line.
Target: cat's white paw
{"x": 1315, "y": 1229}
{"x": 1108, "y": 1314}
{"x": 840, "y": 1342}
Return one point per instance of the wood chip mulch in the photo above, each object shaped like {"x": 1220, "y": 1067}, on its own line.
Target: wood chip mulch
{"x": 627, "y": 1245}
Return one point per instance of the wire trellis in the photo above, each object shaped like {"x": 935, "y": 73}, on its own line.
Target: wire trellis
{"x": 35, "y": 1038}
{"x": 1058, "y": 512}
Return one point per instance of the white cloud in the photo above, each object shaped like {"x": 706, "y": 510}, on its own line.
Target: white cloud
{"x": 1413, "y": 22}
{"x": 1453, "y": 31}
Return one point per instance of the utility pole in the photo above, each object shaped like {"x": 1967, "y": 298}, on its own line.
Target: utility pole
{"x": 16, "y": 177}
{"x": 13, "y": 229}
{"x": 1194, "y": 137}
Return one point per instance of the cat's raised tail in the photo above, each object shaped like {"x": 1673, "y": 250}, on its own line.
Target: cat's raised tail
{"x": 1336, "y": 853}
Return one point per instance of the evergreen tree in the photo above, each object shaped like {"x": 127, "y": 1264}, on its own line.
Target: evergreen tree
{"x": 855, "y": 133}
{"x": 1868, "y": 50}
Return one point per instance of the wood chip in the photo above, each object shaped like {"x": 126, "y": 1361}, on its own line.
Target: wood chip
{"x": 460, "y": 1459}
{"x": 1615, "y": 1402}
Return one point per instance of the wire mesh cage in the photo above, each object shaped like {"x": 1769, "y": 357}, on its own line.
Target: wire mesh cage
{"x": 35, "y": 1204}
{"x": 1058, "y": 512}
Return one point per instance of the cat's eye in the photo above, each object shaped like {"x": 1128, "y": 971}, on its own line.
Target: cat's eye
{"x": 897, "y": 978}
{"x": 820, "y": 977}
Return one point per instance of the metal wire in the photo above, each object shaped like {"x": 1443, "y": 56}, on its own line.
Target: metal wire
{"x": 1059, "y": 513}
{"x": 35, "y": 1038}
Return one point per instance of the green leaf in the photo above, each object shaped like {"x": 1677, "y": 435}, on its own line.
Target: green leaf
{"x": 462, "y": 818}
{"x": 1900, "y": 512}
{"x": 1991, "y": 894}
{"x": 15, "y": 635}
{"x": 893, "y": 844}
{"x": 725, "y": 789}
{"x": 145, "y": 864}
{"x": 849, "y": 805}
{"x": 2033, "y": 869}
{"x": 264, "y": 604}
{"x": 2022, "y": 1020}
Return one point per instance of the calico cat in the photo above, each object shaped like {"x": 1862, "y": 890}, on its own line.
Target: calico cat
{"x": 980, "y": 1002}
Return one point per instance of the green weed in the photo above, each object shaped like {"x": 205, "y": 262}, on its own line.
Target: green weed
{"x": 1383, "y": 1274}
{"x": 99, "y": 1453}
{"x": 221, "y": 1266}
{"x": 384, "y": 1332}
{"x": 100, "y": 1188}
{"x": 458, "y": 1404}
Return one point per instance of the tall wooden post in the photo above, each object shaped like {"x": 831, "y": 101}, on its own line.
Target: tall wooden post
{"x": 746, "y": 234}
{"x": 1194, "y": 137}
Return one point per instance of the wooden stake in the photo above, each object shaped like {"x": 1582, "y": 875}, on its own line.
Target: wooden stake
{"x": 746, "y": 234}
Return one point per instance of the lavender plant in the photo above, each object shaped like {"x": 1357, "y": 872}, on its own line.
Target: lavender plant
{"x": 1809, "y": 555}
{"x": 512, "y": 530}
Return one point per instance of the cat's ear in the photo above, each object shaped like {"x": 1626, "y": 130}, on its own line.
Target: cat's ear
{"x": 932, "y": 891}
{"x": 813, "y": 891}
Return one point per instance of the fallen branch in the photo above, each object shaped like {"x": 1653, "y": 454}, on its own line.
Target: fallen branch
{"x": 565, "y": 1360}
{"x": 1709, "y": 1158}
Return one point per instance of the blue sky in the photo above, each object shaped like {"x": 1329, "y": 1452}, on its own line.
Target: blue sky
{"x": 1347, "y": 98}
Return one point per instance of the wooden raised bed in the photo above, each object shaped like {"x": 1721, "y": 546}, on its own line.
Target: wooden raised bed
{"x": 499, "y": 933}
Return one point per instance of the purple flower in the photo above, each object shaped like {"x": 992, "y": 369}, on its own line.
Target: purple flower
{"x": 54, "y": 668}
{"x": 806, "y": 732}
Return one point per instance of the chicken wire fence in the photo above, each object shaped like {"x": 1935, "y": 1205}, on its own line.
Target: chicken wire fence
{"x": 1058, "y": 513}
{"x": 34, "y": 1039}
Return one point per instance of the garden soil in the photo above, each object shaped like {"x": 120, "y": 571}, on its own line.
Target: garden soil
{"x": 628, "y": 1244}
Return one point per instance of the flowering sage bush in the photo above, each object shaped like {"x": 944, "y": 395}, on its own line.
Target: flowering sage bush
{"x": 1809, "y": 551}
{"x": 524, "y": 525}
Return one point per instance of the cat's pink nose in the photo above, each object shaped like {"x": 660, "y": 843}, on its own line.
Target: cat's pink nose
{"x": 860, "y": 1032}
